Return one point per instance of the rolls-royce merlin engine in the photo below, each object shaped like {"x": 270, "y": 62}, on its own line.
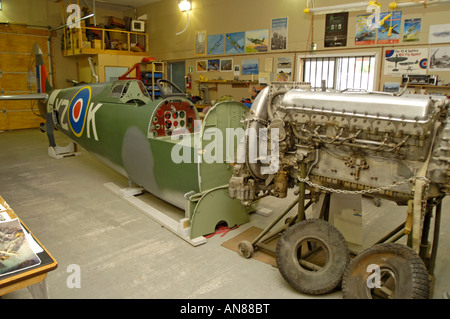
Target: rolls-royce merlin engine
{"x": 373, "y": 142}
{"x": 390, "y": 146}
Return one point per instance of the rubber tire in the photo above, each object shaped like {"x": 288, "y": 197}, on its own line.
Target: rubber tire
{"x": 413, "y": 280}
{"x": 302, "y": 280}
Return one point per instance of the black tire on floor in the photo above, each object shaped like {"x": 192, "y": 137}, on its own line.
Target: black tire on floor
{"x": 396, "y": 269}
{"x": 327, "y": 241}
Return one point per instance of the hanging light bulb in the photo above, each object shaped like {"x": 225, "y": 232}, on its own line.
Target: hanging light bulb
{"x": 184, "y": 5}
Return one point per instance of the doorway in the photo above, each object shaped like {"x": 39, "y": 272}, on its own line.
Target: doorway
{"x": 177, "y": 74}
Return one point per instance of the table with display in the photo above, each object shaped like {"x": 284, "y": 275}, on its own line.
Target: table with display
{"x": 32, "y": 277}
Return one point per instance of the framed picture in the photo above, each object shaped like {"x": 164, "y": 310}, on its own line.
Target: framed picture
{"x": 214, "y": 65}
{"x": 235, "y": 43}
{"x": 257, "y": 41}
{"x": 249, "y": 66}
{"x": 202, "y": 66}
{"x": 200, "y": 42}
{"x": 215, "y": 44}
{"x": 278, "y": 40}
{"x": 226, "y": 65}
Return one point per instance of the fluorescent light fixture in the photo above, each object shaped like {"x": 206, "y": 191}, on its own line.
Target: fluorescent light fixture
{"x": 357, "y": 6}
{"x": 0, "y": 4}
{"x": 395, "y": 5}
{"x": 184, "y": 5}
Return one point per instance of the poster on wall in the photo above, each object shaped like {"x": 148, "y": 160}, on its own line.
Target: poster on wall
{"x": 284, "y": 69}
{"x": 411, "y": 30}
{"x": 226, "y": 65}
{"x": 336, "y": 29}
{"x": 389, "y": 30}
{"x": 214, "y": 65}
{"x": 215, "y": 44}
{"x": 257, "y": 41}
{"x": 234, "y": 43}
{"x": 439, "y": 33}
{"x": 440, "y": 59}
{"x": 200, "y": 42}
{"x": 278, "y": 39}
{"x": 391, "y": 87}
{"x": 249, "y": 66}
{"x": 202, "y": 66}
{"x": 364, "y": 36}
{"x": 404, "y": 61}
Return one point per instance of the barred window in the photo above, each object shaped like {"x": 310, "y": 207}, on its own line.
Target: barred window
{"x": 340, "y": 73}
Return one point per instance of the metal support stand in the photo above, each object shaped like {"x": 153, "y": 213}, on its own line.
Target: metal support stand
{"x": 246, "y": 248}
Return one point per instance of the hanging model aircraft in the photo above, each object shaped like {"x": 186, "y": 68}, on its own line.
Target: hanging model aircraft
{"x": 120, "y": 124}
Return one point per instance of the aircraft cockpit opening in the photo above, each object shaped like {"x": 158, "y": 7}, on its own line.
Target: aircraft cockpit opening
{"x": 130, "y": 91}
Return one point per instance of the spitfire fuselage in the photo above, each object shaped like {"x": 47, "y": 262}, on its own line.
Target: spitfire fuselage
{"x": 131, "y": 134}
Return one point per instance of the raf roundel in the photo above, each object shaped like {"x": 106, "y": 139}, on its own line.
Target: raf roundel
{"x": 78, "y": 108}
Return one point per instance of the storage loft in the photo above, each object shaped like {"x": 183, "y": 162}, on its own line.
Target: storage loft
{"x": 94, "y": 40}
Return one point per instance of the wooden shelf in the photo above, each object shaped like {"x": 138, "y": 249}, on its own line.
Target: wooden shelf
{"x": 229, "y": 82}
{"x": 429, "y": 86}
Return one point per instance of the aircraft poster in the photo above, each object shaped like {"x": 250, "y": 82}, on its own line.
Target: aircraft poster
{"x": 202, "y": 65}
{"x": 214, "y": 65}
{"x": 226, "y": 65}
{"x": 200, "y": 42}
{"x": 235, "y": 43}
{"x": 440, "y": 59}
{"x": 439, "y": 33}
{"x": 411, "y": 30}
{"x": 364, "y": 36}
{"x": 405, "y": 61}
{"x": 257, "y": 41}
{"x": 284, "y": 69}
{"x": 215, "y": 44}
{"x": 389, "y": 30}
{"x": 16, "y": 253}
{"x": 249, "y": 66}
{"x": 279, "y": 34}
{"x": 336, "y": 29}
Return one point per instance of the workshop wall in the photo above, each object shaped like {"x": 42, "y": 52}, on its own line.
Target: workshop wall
{"x": 220, "y": 17}
{"x": 45, "y": 13}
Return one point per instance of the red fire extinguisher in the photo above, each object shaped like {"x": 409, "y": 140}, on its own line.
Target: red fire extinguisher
{"x": 188, "y": 81}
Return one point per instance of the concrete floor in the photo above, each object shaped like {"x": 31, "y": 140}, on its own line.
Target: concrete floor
{"x": 122, "y": 253}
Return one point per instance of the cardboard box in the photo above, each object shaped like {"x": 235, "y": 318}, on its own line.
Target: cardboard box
{"x": 96, "y": 44}
{"x": 85, "y": 44}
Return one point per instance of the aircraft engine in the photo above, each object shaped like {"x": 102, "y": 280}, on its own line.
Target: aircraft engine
{"x": 395, "y": 147}
{"x": 375, "y": 143}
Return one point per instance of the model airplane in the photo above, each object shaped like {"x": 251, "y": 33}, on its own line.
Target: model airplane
{"x": 120, "y": 124}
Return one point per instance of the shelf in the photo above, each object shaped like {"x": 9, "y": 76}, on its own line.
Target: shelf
{"x": 148, "y": 73}
{"x": 229, "y": 82}
{"x": 233, "y": 83}
{"x": 429, "y": 86}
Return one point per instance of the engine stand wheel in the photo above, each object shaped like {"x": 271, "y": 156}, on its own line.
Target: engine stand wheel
{"x": 312, "y": 256}
{"x": 245, "y": 249}
{"x": 386, "y": 271}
